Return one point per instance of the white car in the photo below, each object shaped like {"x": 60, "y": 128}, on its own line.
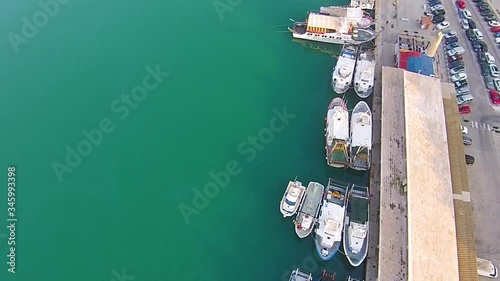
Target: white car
{"x": 443, "y": 25}
{"x": 459, "y": 77}
{"x": 450, "y": 34}
{"x": 494, "y": 70}
{"x": 478, "y": 34}
{"x": 496, "y": 83}
{"x": 493, "y": 23}
{"x": 437, "y": 7}
{"x": 464, "y": 129}
{"x": 467, "y": 14}
{"x": 497, "y": 40}
{"x": 489, "y": 58}
{"x": 465, "y": 24}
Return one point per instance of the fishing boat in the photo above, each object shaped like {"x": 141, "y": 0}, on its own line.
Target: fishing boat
{"x": 336, "y": 25}
{"x": 355, "y": 240}
{"x": 337, "y": 134}
{"x": 298, "y": 275}
{"x": 349, "y": 278}
{"x": 328, "y": 233}
{"x": 292, "y": 198}
{"x": 327, "y": 276}
{"x": 344, "y": 69}
{"x": 309, "y": 210}
{"x": 361, "y": 137}
{"x": 365, "y": 73}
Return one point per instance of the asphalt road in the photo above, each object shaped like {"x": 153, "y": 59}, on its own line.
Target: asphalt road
{"x": 484, "y": 176}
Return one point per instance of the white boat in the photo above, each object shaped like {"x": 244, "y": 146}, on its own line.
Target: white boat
{"x": 361, "y": 137}
{"x": 364, "y": 75}
{"x": 309, "y": 210}
{"x": 328, "y": 233}
{"x": 355, "y": 240}
{"x": 344, "y": 69}
{"x": 336, "y": 25}
{"x": 337, "y": 134}
{"x": 292, "y": 198}
{"x": 298, "y": 275}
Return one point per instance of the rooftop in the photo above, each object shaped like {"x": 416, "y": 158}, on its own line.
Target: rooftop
{"x": 417, "y": 224}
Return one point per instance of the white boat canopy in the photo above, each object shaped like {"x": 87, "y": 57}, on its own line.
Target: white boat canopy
{"x": 324, "y": 21}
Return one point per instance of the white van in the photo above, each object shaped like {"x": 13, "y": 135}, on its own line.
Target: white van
{"x": 486, "y": 268}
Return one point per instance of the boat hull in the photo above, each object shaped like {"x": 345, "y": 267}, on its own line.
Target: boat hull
{"x": 332, "y": 38}
{"x": 361, "y": 137}
{"x": 286, "y": 208}
{"x": 310, "y": 207}
{"x": 337, "y": 158}
{"x": 363, "y": 94}
{"x": 358, "y": 209}
{"x": 331, "y": 251}
{"x": 338, "y": 89}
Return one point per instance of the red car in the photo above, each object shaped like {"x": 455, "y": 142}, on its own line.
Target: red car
{"x": 460, "y": 4}
{"x": 494, "y": 97}
{"x": 464, "y": 109}
{"x": 455, "y": 57}
{"x": 495, "y": 29}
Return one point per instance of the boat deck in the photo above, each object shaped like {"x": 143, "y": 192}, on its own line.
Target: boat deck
{"x": 358, "y": 209}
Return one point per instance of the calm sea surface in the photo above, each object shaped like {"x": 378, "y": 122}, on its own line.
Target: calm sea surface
{"x": 101, "y": 177}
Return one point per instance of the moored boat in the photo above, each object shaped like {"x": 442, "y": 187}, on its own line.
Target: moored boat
{"x": 328, "y": 233}
{"x": 344, "y": 69}
{"x": 336, "y": 25}
{"x": 364, "y": 75}
{"x": 309, "y": 210}
{"x": 292, "y": 198}
{"x": 337, "y": 134}
{"x": 298, "y": 275}
{"x": 356, "y": 230}
{"x": 361, "y": 137}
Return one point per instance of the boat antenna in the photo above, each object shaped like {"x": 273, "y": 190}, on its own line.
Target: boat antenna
{"x": 291, "y": 20}
{"x": 295, "y": 179}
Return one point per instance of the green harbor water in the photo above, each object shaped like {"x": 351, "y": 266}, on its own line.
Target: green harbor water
{"x": 101, "y": 178}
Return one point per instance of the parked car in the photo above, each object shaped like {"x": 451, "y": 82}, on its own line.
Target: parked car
{"x": 496, "y": 82}
{"x": 450, "y": 40}
{"x": 470, "y": 35}
{"x": 459, "y": 77}
{"x": 456, "y": 63}
{"x": 452, "y": 46}
{"x": 481, "y": 57}
{"x": 488, "y": 82}
{"x": 464, "y": 109}
{"x": 438, "y": 12}
{"x": 460, "y": 4}
{"x": 489, "y": 58}
{"x": 497, "y": 40}
{"x": 472, "y": 24}
{"x": 495, "y": 29}
{"x": 469, "y": 160}
{"x": 494, "y": 70}
{"x": 496, "y": 34}
{"x": 490, "y": 17}
{"x": 461, "y": 83}
{"x": 457, "y": 69}
{"x": 455, "y": 58}
{"x": 484, "y": 7}
{"x": 464, "y": 23}
{"x": 466, "y": 140}
{"x": 494, "y": 97}
{"x": 462, "y": 90}
{"x": 479, "y": 46}
{"x": 450, "y": 34}
{"x": 493, "y": 23}
{"x": 438, "y": 19}
{"x": 442, "y": 25}
{"x": 477, "y": 33}
{"x": 464, "y": 99}
{"x": 485, "y": 69}
{"x": 486, "y": 12}
{"x": 467, "y": 14}
{"x": 437, "y": 7}
{"x": 464, "y": 129}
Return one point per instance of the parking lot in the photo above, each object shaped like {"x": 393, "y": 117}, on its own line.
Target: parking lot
{"x": 481, "y": 124}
